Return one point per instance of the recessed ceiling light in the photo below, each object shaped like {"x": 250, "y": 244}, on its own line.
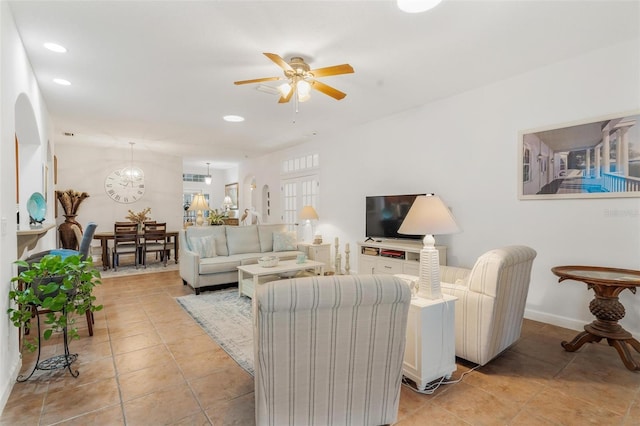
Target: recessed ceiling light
{"x": 62, "y": 81}
{"x": 233, "y": 118}
{"x": 54, "y": 47}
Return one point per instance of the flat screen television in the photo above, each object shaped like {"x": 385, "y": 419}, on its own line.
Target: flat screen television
{"x": 385, "y": 214}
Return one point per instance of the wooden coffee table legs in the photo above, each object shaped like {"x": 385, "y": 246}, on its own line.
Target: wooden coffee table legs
{"x": 608, "y": 311}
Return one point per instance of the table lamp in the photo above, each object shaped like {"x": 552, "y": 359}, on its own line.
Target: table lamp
{"x": 307, "y": 214}
{"x": 428, "y": 216}
{"x": 199, "y": 204}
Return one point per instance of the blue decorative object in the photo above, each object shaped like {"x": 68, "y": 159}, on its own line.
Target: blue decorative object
{"x": 37, "y": 208}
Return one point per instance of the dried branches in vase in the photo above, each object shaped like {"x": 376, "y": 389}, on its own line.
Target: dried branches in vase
{"x": 140, "y": 217}
{"x": 70, "y": 200}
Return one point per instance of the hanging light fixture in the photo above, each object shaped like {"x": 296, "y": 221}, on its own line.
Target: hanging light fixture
{"x": 132, "y": 172}
{"x": 207, "y": 178}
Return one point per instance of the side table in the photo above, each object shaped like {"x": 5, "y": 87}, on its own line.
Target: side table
{"x": 607, "y": 283}
{"x": 317, "y": 252}
{"x": 430, "y": 351}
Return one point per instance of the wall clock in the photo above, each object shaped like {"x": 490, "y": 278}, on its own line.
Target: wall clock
{"x": 125, "y": 185}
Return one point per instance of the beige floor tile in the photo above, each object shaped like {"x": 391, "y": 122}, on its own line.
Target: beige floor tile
{"x": 238, "y": 411}
{"x": 476, "y": 406}
{"x": 66, "y": 403}
{"x": 22, "y": 409}
{"x": 432, "y": 415}
{"x": 111, "y": 416}
{"x": 555, "y": 406}
{"x": 222, "y": 385}
{"x": 192, "y": 347}
{"x": 152, "y": 357}
{"x": 135, "y": 342}
{"x": 165, "y": 406}
{"x": 205, "y": 363}
{"x": 147, "y": 380}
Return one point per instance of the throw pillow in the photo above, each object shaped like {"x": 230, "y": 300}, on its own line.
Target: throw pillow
{"x": 284, "y": 241}
{"x": 204, "y": 246}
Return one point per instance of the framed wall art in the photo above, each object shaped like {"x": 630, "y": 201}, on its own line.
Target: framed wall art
{"x": 589, "y": 159}
{"x": 231, "y": 191}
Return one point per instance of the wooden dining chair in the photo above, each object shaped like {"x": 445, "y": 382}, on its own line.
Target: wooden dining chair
{"x": 154, "y": 240}
{"x": 125, "y": 241}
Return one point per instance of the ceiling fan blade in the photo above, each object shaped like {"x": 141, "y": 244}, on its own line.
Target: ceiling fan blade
{"x": 257, "y": 80}
{"x": 327, "y": 90}
{"x": 334, "y": 70}
{"x": 285, "y": 99}
{"x": 279, "y": 61}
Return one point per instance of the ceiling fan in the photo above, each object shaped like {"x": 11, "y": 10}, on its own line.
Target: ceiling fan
{"x": 300, "y": 78}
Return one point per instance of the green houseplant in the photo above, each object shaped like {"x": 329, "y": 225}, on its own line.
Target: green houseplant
{"x": 61, "y": 286}
{"x": 216, "y": 218}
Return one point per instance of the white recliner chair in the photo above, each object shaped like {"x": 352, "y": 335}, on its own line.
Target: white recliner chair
{"x": 491, "y": 301}
{"x": 329, "y": 350}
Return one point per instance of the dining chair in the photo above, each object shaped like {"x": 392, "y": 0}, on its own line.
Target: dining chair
{"x": 154, "y": 240}
{"x": 125, "y": 241}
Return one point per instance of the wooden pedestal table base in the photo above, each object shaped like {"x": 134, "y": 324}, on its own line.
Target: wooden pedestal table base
{"x": 607, "y": 284}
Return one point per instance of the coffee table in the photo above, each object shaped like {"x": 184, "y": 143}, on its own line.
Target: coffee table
{"x": 260, "y": 275}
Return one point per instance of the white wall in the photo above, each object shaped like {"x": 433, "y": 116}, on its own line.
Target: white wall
{"x": 465, "y": 148}
{"x": 84, "y": 169}
{"x": 16, "y": 81}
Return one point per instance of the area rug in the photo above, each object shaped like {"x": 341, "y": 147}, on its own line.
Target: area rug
{"x": 227, "y": 318}
{"x": 131, "y": 270}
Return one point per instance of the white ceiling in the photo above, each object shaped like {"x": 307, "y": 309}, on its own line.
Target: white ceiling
{"x": 161, "y": 73}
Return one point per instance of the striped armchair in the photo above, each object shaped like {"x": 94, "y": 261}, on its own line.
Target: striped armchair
{"x": 491, "y": 301}
{"x": 329, "y": 350}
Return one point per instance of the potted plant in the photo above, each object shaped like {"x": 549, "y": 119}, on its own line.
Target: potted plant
{"x": 61, "y": 286}
{"x": 216, "y": 218}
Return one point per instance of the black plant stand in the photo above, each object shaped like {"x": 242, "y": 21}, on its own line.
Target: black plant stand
{"x": 55, "y": 362}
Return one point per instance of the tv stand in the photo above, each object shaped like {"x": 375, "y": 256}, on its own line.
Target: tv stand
{"x": 393, "y": 257}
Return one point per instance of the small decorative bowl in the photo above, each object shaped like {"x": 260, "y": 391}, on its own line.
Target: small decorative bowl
{"x": 268, "y": 261}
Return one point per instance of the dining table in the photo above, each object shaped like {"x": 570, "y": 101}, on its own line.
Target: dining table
{"x": 104, "y": 237}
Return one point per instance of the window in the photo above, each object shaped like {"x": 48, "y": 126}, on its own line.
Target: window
{"x": 300, "y": 187}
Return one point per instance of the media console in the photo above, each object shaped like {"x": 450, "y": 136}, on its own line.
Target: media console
{"x": 393, "y": 257}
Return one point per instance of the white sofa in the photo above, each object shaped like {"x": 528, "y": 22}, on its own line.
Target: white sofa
{"x": 491, "y": 301}
{"x": 210, "y": 255}
{"x": 329, "y": 350}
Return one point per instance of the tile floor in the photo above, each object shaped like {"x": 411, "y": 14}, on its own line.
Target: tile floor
{"x": 149, "y": 363}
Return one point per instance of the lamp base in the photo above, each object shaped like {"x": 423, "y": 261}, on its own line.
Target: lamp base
{"x": 199, "y": 218}
{"x": 429, "y": 287}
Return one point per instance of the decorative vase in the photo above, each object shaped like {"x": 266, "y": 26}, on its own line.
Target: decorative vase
{"x": 67, "y": 236}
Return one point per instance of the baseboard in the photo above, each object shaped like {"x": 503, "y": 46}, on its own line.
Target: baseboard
{"x": 570, "y": 323}
{"x": 8, "y": 386}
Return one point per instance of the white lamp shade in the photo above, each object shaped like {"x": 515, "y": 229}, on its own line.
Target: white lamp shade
{"x": 428, "y": 216}
{"x": 308, "y": 213}
{"x": 199, "y": 203}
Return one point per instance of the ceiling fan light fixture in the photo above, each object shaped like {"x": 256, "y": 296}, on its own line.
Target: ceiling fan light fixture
{"x": 417, "y": 6}
{"x": 304, "y": 89}
{"x": 284, "y": 89}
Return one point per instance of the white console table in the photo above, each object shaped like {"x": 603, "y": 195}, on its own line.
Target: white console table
{"x": 372, "y": 259}
{"x": 431, "y": 344}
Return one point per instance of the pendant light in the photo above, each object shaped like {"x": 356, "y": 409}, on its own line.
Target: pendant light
{"x": 207, "y": 178}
